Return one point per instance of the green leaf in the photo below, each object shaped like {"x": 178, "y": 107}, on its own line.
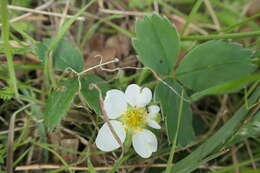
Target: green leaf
{"x": 24, "y": 26}
{"x": 91, "y": 96}
{"x": 41, "y": 49}
{"x": 169, "y": 103}
{"x": 214, "y": 63}
{"x": 65, "y": 55}
{"x": 215, "y": 142}
{"x": 6, "y": 93}
{"x": 59, "y": 102}
{"x": 36, "y": 112}
{"x": 157, "y": 43}
{"x": 227, "y": 87}
{"x": 242, "y": 165}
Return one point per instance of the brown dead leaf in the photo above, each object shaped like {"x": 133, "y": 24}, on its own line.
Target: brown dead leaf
{"x": 178, "y": 24}
{"x": 121, "y": 43}
{"x": 71, "y": 144}
{"x": 97, "y": 42}
{"x": 60, "y": 139}
{"x": 116, "y": 46}
{"x": 94, "y": 58}
{"x": 55, "y": 138}
{"x": 254, "y": 9}
{"x": 96, "y": 159}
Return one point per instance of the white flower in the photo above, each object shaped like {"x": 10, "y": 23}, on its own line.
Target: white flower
{"x": 127, "y": 113}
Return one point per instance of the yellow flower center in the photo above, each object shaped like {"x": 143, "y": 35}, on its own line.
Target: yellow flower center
{"x": 134, "y": 118}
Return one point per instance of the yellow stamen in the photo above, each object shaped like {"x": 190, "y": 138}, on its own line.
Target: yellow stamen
{"x": 134, "y": 119}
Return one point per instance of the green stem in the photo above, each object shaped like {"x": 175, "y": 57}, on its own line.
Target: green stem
{"x": 142, "y": 76}
{"x": 230, "y": 28}
{"x": 192, "y": 14}
{"x": 127, "y": 79}
{"x": 118, "y": 163}
{"x": 7, "y": 48}
{"x": 222, "y": 36}
{"x": 174, "y": 143}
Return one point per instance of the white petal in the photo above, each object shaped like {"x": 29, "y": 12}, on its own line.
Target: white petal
{"x": 136, "y": 96}
{"x": 105, "y": 140}
{"x": 154, "y": 124}
{"x": 131, "y": 94}
{"x": 144, "y": 97}
{"x": 144, "y": 143}
{"x": 115, "y": 103}
{"x": 154, "y": 109}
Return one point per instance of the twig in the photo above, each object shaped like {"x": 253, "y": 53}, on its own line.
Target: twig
{"x": 47, "y": 4}
{"x": 4, "y": 121}
{"x": 247, "y": 7}
{"x": 84, "y": 141}
{"x": 10, "y": 153}
{"x": 111, "y": 127}
{"x": 15, "y": 130}
{"x": 141, "y": 14}
{"x": 40, "y": 167}
{"x": 65, "y": 11}
{"x": 191, "y": 26}
{"x": 128, "y": 13}
{"x": 234, "y": 159}
{"x": 190, "y": 17}
{"x": 250, "y": 153}
{"x": 37, "y": 11}
{"x": 212, "y": 14}
{"x": 99, "y": 65}
{"x": 100, "y": 3}
{"x": 107, "y": 119}
{"x": 155, "y": 6}
{"x": 208, "y": 26}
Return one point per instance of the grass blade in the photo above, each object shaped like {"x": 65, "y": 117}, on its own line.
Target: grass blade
{"x": 7, "y": 48}
{"x": 215, "y": 142}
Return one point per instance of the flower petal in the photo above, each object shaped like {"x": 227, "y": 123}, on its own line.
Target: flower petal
{"x": 152, "y": 123}
{"x": 136, "y": 96}
{"x": 154, "y": 109}
{"x": 144, "y": 143}
{"x": 115, "y": 103}
{"x": 144, "y": 97}
{"x": 105, "y": 140}
{"x": 131, "y": 94}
